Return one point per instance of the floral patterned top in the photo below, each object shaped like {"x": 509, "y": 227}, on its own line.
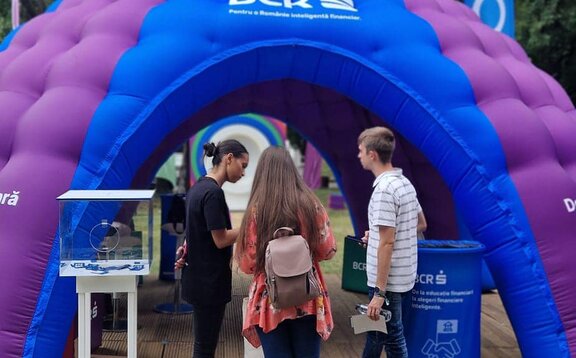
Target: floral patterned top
{"x": 260, "y": 311}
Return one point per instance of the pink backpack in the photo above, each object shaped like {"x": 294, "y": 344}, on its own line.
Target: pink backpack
{"x": 290, "y": 275}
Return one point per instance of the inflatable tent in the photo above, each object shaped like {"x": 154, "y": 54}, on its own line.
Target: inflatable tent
{"x": 96, "y": 94}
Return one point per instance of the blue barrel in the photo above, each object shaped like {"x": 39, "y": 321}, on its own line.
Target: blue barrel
{"x": 443, "y": 317}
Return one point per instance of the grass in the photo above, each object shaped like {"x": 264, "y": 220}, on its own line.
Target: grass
{"x": 341, "y": 226}
{"x": 339, "y": 219}
{"x": 141, "y": 224}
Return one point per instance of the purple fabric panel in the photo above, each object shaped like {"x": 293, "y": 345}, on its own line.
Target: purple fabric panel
{"x": 561, "y": 98}
{"x": 312, "y": 167}
{"x": 14, "y": 107}
{"x": 15, "y": 104}
{"x": 46, "y": 113}
{"x": 437, "y": 203}
{"x": 535, "y": 122}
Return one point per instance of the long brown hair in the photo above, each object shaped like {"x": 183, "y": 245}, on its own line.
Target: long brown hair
{"x": 279, "y": 197}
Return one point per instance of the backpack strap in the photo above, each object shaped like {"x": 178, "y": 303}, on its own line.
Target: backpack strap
{"x": 283, "y": 228}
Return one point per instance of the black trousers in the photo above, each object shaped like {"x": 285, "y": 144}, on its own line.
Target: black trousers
{"x": 207, "y": 323}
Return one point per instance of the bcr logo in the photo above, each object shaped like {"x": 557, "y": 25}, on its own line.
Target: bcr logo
{"x": 347, "y": 5}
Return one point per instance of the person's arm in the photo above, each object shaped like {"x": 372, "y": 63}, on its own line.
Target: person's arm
{"x": 247, "y": 256}
{"x": 181, "y": 254}
{"x": 217, "y": 219}
{"x": 326, "y": 248}
{"x": 422, "y": 224}
{"x": 385, "y": 248}
{"x": 224, "y": 238}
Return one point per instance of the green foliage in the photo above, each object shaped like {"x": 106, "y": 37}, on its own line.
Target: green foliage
{"x": 296, "y": 140}
{"x": 5, "y": 8}
{"x": 547, "y": 31}
{"x": 341, "y": 224}
{"x": 5, "y": 26}
{"x": 5, "y": 18}
{"x": 31, "y": 8}
{"x": 28, "y": 9}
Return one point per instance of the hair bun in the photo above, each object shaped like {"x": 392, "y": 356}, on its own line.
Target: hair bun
{"x": 209, "y": 149}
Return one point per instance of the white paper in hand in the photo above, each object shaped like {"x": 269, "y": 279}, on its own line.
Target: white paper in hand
{"x": 361, "y": 323}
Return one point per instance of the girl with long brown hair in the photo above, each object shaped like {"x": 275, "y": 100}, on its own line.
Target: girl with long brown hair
{"x": 280, "y": 198}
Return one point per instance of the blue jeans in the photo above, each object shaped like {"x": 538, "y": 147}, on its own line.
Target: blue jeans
{"x": 394, "y": 342}
{"x": 292, "y": 338}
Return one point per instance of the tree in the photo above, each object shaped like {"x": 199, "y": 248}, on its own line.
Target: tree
{"x": 5, "y": 18}
{"x": 31, "y": 8}
{"x": 547, "y": 31}
{"x": 28, "y": 9}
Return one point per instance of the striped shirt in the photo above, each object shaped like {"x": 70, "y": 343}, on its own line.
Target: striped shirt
{"x": 394, "y": 204}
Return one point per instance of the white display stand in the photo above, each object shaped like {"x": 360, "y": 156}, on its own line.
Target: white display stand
{"x": 106, "y": 241}
{"x": 85, "y": 286}
{"x": 96, "y": 238}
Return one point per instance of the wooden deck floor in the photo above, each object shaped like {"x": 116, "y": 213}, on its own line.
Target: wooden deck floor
{"x": 170, "y": 336}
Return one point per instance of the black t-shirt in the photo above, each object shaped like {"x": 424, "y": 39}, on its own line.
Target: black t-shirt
{"x": 207, "y": 280}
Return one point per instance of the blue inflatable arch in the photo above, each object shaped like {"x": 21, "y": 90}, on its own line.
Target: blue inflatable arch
{"x": 96, "y": 94}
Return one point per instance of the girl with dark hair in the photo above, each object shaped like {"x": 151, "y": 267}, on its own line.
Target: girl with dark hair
{"x": 205, "y": 260}
{"x": 279, "y": 197}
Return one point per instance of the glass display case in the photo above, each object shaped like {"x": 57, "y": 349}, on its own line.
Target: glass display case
{"x": 105, "y": 232}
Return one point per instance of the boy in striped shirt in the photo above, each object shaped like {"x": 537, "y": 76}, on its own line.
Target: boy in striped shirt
{"x": 395, "y": 218}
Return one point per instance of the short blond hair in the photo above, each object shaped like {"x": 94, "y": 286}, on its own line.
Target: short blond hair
{"x": 379, "y": 139}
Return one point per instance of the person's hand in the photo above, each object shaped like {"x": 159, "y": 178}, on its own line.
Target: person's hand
{"x": 374, "y": 308}
{"x": 181, "y": 258}
{"x": 365, "y": 238}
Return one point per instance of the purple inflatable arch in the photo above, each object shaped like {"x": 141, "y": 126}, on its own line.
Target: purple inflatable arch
{"x": 95, "y": 94}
